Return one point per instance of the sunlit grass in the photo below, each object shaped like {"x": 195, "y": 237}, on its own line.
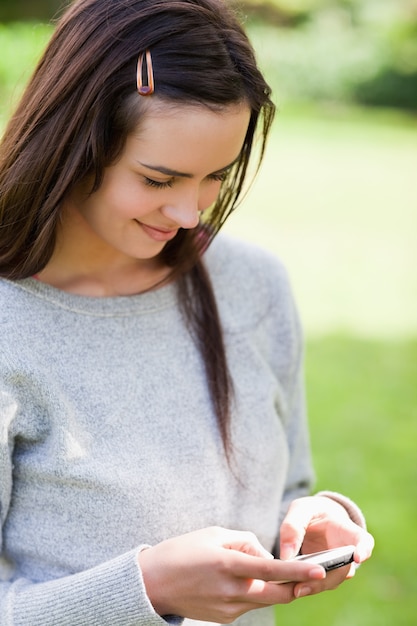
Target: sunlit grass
{"x": 337, "y": 200}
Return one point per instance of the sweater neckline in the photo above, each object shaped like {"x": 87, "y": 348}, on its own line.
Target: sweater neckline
{"x": 146, "y": 302}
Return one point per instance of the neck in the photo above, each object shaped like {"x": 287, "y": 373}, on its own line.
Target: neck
{"x": 84, "y": 266}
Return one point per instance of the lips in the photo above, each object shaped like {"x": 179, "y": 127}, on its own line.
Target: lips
{"x": 158, "y": 234}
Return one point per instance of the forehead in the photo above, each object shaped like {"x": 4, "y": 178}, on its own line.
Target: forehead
{"x": 191, "y": 138}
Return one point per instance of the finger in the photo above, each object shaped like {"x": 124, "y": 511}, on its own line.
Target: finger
{"x": 352, "y": 570}
{"x": 266, "y": 594}
{"x": 313, "y": 587}
{"x": 256, "y": 594}
{"x": 268, "y": 570}
{"x": 364, "y": 547}
{"x": 247, "y": 543}
{"x": 293, "y": 528}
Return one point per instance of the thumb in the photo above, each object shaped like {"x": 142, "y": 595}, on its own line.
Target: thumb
{"x": 293, "y": 528}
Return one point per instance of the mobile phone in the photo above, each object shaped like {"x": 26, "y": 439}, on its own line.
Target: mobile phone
{"x": 329, "y": 559}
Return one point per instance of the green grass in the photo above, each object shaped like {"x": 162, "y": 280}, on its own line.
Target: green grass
{"x": 337, "y": 200}
{"x": 363, "y": 414}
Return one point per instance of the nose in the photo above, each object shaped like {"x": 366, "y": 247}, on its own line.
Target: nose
{"x": 184, "y": 210}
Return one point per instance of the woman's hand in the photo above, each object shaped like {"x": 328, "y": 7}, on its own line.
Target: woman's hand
{"x": 317, "y": 523}
{"x": 216, "y": 575}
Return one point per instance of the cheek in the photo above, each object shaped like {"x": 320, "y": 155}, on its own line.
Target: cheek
{"x": 128, "y": 199}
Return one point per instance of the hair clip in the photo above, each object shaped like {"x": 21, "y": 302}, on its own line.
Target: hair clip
{"x": 145, "y": 89}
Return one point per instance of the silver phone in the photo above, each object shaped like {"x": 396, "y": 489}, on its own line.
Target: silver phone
{"x": 329, "y": 559}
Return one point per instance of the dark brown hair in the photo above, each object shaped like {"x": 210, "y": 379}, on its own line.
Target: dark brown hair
{"x": 79, "y": 108}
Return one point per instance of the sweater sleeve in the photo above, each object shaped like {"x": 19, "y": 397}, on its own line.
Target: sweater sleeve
{"x": 300, "y": 480}
{"x": 286, "y": 355}
{"x": 254, "y": 292}
{"x": 300, "y": 476}
{"x": 110, "y": 594}
{"x": 281, "y": 339}
{"x": 351, "y": 507}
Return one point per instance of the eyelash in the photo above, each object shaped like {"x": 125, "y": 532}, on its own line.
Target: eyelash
{"x": 219, "y": 177}
{"x": 158, "y": 184}
{"x": 166, "y": 184}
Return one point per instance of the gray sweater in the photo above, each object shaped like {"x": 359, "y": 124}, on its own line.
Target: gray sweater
{"x": 108, "y": 441}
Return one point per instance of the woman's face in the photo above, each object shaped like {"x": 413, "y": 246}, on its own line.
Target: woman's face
{"x": 170, "y": 169}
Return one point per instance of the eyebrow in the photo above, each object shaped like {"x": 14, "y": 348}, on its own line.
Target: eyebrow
{"x": 169, "y": 172}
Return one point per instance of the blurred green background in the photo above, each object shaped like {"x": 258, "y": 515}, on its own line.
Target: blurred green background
{"x": 337, "y": 200}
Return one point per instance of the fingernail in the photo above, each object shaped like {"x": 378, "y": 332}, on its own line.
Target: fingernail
{"x": 317, "y": 572}
{"x": 362, "y": 554}
{"x": 303, "y": 591}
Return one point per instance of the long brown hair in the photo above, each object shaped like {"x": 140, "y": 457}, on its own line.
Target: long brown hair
{"x": 79, "y": 108}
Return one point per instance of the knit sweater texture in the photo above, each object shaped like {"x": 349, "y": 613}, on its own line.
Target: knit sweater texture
{"x": 108, "y": 440}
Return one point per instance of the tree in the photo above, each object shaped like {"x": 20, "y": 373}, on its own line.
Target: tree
{"x": 18, "y": 10}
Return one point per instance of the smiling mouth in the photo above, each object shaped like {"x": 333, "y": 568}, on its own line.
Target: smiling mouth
{"x": 157, "y": 234}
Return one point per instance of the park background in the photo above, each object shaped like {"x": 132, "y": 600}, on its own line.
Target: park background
{"x": 337, "y": 201}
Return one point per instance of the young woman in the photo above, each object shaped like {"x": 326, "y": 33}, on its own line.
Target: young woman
{"x": 154, "y": 451}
